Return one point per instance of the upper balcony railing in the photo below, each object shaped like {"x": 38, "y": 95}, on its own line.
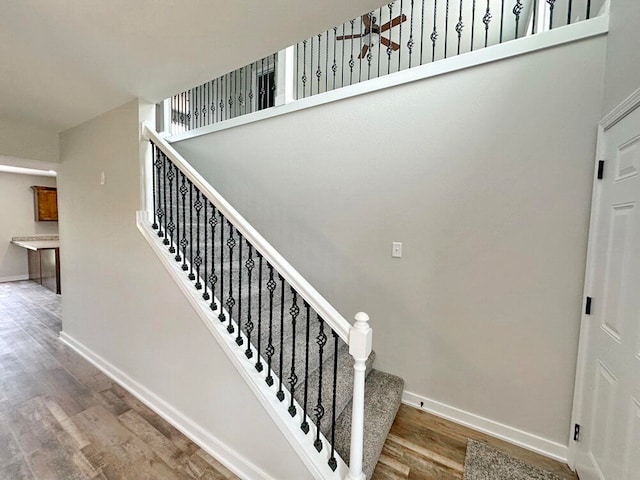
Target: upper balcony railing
{"x": 398, "y": 36}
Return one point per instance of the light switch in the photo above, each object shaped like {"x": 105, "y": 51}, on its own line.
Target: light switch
{"x": 103, "y": 178}
{"x": 396, "y": 250}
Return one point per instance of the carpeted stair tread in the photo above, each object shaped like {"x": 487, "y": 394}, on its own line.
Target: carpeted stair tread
{"x": 344, "y": 385}
{"x": 383, "y": 394}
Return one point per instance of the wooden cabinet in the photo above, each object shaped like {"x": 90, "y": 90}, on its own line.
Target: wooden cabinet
{"x": 45, "y": 203}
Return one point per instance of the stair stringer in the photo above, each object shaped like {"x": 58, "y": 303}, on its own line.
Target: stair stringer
{"x": 316, "y": 462}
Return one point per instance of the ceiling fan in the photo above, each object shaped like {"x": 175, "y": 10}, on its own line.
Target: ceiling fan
{"x": 371, "y": 29}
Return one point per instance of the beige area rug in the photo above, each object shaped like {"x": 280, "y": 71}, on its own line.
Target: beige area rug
{"x": 485, "y": 463}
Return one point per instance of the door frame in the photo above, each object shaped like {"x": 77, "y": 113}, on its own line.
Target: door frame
{"x": 577, "y": 414}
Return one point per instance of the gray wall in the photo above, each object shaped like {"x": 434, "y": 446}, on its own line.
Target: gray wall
{"x": 17, "y": 218}
{"x": 485, "y": 176}
{"x": 623, "y": 53}
{"x": 121, "y": 303}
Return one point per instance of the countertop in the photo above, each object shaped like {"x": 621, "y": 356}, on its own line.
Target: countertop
{"x": 36, "y": 243}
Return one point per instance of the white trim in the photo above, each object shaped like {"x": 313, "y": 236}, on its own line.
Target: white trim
{"x": 329, "y": 314}
{"x": 627, "y": 106}
{"x": 231, "y": 459}
{"x": 558, "y": 36}
{"x": 14, "y": 278}
{"x": 316, "y": 462}
{"x": 523, "y": 439}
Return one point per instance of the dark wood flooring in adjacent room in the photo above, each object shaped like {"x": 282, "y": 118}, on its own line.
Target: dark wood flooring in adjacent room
{"x": 62, "y": 419}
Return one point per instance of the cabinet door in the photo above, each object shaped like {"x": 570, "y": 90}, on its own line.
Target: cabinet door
{"x": 46, "y": 204}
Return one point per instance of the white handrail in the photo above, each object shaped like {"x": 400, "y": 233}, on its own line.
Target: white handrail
{"x": 329, "y": 314}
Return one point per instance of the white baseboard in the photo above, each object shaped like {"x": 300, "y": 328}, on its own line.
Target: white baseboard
{"x": 513, "y": 435}
{"x": 204, "y": 439}
{"x": 15, "y": 278}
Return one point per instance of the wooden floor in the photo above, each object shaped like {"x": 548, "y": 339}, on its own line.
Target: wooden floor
{"x": 62, "y": 419}
{"x": 422, "y": 446}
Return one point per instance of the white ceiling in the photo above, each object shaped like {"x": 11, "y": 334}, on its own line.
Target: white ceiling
{"x": 63, "y": 62}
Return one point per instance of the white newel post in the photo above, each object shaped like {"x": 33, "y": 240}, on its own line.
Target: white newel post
{"x": 359, "y": 348}
{"x": 284, "y": 76}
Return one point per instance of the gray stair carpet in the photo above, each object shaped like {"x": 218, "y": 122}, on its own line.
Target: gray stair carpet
{"x": 268, "y": 321}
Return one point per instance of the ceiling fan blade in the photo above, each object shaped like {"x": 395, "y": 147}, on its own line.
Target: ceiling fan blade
{"x": 349, "y": 37}
{"x": 366, "y": 19}
{"x": 396, "y": 21}
{"x": 388, "y": 43}
{"x": 365, "y": 48}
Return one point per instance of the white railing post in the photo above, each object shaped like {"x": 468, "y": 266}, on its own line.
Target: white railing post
{"x": 284, "y": 77}
{"x": 359, "y": 348}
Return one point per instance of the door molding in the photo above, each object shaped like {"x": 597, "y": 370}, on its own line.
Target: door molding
{"x": 626, "y": 107}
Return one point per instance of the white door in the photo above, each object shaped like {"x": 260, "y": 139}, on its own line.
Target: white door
{"x": 609, "y": 393}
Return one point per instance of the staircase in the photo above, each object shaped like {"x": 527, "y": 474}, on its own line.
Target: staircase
{"x": 317, "y": 365}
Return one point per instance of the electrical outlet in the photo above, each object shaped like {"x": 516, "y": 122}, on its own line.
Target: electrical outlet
{"x": 396, "y": 250}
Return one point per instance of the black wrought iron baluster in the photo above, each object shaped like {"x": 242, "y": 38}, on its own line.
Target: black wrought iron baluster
{"x": 259, "y": 366}
{"x": 342, "y": 62}
{"x": 486, "y": 19}
{"x": 369, "y": 50}
{"x": 154, "y": 185}
{"x": 434, "y": 32}
{"x": 569, "y": 7}
{"x": 165, "y": 240}
{"x": 231, "y": 243}
{"x": 213, "y": 278}
{"x": 326, "y": 63}
{"x": 251, "y": 88}
{"x": 389, "y": 50}
{"x": 249, "y": 264}
{"x": 280, "y": 393}
{"x": 501, "y": 19}
{"x": 379, "y": 43}
{"x": 294, "y": 311}
{"x": 178, "y": 257}
{"x": 239, "y": 340}
{"x": 159, "y": 211}
{"x": 304, "y": 426}
{"x": 334, "y": 66}
{"x": 360, "y": 55}
{"x": 197, "y": 260}
{"x": 220, "y": 103}
{"x": 304, "y": 69}
{"x": 534, "y": 21}
{"x": 261, "y": 92}
{"x": 517, "y": 10}
{"x": 191, "y": 275}
{"x": 311, "y": 66}
{"x": 459, "y": 27}
{"x": 221, "y": 315}
{"x": 196, "y": 109}
{"x": 400, "y": 38}
{"x": 351, "y": 61}
{"x": 319, "y": 69}
{"x": 271, "y": 286}
{"x": 230, "y": 111}
{"x": 205, "y": 261}
{"x": 321, "y": 340}
{"x": 275, "y": 80}
{"x": 171, "y": 226}
{"x": 422, "y": 30}
{"x": 552, "y": 4}
{"x": 184, "y": 243}
{"x": 446, "y": 27}
{"x": 410, "y": 42}
{"x": 473, "y": 22}
{"x": 333, "y": 464}
{"x": 588, "y": 16}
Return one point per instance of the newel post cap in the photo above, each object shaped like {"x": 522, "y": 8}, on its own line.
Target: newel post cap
{"x": 360, "y": 337}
